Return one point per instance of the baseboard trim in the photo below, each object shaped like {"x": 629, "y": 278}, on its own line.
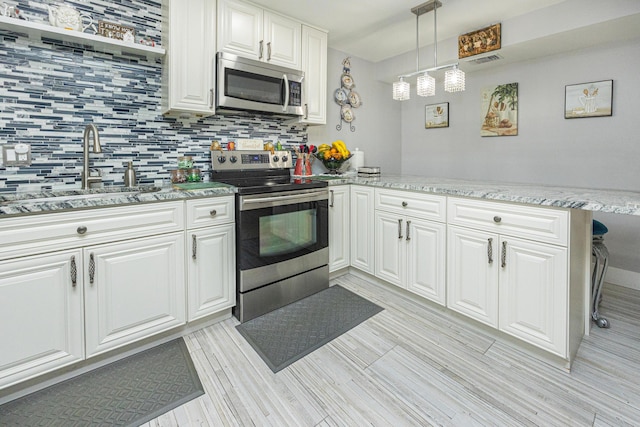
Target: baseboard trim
{"x": 626, "y": 278}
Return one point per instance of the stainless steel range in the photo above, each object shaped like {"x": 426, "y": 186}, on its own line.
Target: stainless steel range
{"x": 282, "y": 230}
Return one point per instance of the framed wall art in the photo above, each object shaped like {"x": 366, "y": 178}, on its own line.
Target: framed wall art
{"x": 437, "y": 115}
{"x": 593, "y": 99}
{"x": 499, "y": 108}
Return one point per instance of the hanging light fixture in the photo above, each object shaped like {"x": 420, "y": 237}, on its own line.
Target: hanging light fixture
{"x": 454, "y": 80}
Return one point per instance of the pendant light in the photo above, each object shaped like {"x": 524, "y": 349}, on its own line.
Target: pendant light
{"x": 454, "y": 79}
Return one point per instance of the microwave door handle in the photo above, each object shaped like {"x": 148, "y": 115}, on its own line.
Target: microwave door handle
{"x": 286, "y": 93}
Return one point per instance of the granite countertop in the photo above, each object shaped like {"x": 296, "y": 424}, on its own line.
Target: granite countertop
{"x": 611, "y": 201}
{"x": 60, "y": 200}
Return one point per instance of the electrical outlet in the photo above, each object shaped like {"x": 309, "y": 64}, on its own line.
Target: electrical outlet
{"x": 16, "y": 155}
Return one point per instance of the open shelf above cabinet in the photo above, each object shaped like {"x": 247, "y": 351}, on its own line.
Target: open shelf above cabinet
{"x": 34, "y": 29}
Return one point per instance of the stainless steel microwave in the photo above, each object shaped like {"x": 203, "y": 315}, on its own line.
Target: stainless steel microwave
{"x": 248, "y": 84}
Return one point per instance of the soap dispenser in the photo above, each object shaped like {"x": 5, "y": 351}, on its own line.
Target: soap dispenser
{"x": 130, "y": 176}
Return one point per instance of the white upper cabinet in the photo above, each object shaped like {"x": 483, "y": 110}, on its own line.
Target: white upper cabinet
{"x": 314, "y": 65}
{"x": 189, "y": 37}
{"x": 252, "y": 32}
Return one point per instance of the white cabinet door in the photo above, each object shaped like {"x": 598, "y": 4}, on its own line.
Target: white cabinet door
{"x": 211, "y": 267}
{"x": 41, "y": 315}
{"x": 282, "y": 40}
{"x": 240, "y": 29}
{"x": 390, "y": 248}
{"x": 534, "y": 293}
{"x": 314, "y": 65}
{"x": 188, "y": 69}
{"x": 362, "y": 229}
{"x": 426, "y": 254}
{"x": 339, "y": 227}
{"x": 473, "y": 267}
{"x": 133, "y": 289}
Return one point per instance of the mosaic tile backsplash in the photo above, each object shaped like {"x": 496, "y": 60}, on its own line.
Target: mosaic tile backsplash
{"x": 50, "y": 90}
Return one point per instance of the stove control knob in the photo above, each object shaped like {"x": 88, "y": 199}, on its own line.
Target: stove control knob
{"x": 276, "y": 158}
{"x": 285, "y": 158}
{"x": 222, "y": 159}
{"x": 233, "y": 159}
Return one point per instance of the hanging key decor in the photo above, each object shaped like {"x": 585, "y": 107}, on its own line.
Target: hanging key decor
{"x": 346, "y": 97}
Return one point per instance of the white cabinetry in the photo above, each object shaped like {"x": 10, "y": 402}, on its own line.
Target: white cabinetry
{"x": 41, "y": 306}
{"x": 189, "y": 36}
{"x": 362, "y": 228}
{"x": 410, "y": 241}
{"x": 112, "y": 275}
{"x": 252, "y": 32}
{"x": 508, "y": 268}
{"x": 314, "y": 65}
{"x": 339, "y": 227}
{"x": 210, "y": 256}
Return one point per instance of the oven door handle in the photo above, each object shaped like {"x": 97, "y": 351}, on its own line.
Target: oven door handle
{"x": 258, "y": 202}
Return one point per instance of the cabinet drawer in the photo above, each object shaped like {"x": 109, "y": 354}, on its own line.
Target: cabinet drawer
{"x": 211, "y": 211}
{"x": 425, "y": 206}
{"x": 44, "y": 232}
{"x": 535, "y": 223}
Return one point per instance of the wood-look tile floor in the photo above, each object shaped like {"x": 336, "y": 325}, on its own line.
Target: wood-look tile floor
{"x": 417, "y": 365}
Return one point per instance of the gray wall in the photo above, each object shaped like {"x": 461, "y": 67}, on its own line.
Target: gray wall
{"x": 377, "y": 119}
{"x": 593, "y": 152}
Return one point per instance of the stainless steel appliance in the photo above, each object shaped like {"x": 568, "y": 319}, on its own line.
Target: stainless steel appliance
{"x": 282, "y": 230}
{"x": 247, "y": 84}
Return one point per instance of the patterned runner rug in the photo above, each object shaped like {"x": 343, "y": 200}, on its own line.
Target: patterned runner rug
{"x": 128, "y": 392}
{"x": 289, "y": 333}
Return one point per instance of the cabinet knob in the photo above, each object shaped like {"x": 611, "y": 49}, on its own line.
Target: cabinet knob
{"x": 497, "y": 219}
{"x": 82, "y": 229}
{"x": 213, "y": 212}
{"x": 405, "y": 204}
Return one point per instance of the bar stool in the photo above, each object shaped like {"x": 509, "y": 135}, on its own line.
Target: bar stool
{"x": 601, "y": 255}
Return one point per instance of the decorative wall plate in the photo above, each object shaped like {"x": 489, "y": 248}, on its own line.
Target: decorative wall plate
{"x": 341, "y": 97}
{"x": 354, "y": 99}
{"x": 347, "y": 81}
{"x": 347, "y": 114}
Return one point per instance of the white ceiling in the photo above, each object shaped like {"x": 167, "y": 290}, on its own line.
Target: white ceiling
{"x": 379, "y": 29}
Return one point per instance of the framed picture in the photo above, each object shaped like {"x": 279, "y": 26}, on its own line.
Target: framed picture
{"x": 480, "y": 41}
{"x": 593, "y": 99}
{"x": 437, "y": 116}
{"x": 499, "y": 110}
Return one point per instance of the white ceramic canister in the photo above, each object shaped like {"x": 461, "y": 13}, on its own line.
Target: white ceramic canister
{"x": 357, "y": 159}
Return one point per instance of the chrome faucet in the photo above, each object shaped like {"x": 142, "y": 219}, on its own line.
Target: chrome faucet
{"x": 87, "y": 179}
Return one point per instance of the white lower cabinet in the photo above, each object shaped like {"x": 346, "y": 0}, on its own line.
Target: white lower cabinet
{"x": 339, "y": 239}
{"x": 517, "y": 285}
{"x": 210, "y": 256}
{"x": 410, "y": 249}
{"x": 361, "y": 234}
{"x": 133, "y": 289}
{"x": 41, "y": 313}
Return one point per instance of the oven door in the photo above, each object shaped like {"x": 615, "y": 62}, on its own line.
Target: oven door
{"x": 280, "y": 235}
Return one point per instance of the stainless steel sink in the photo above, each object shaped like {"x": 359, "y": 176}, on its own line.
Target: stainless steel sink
{"x": 53, "y": 198}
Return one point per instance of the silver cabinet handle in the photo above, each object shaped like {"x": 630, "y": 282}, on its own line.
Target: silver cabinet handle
{"x": 405, "y": 204}
{"x": 74, "y": 271}
{"x": 497, "y": 219}
{"x": 213, "y": 212}
{"x": 81, "y": 230}
{"x": 504, "y": 254}
{"x": 269, "y": 51}
{"x": 331, "y": 198}
{"x": 490, "y": 250}
{"x": 306, "y": 111}
{"x": 261, "y": 49}
{"x": 399, "y": 229}
{"x": 194, "y": 246}
{"x": 211, "y": 98}
{"x": 408, "y": 225}
{"x": 92, "y": 268}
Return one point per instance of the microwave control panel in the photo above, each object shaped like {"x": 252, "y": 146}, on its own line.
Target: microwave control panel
{"x": 295, "y": 94}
